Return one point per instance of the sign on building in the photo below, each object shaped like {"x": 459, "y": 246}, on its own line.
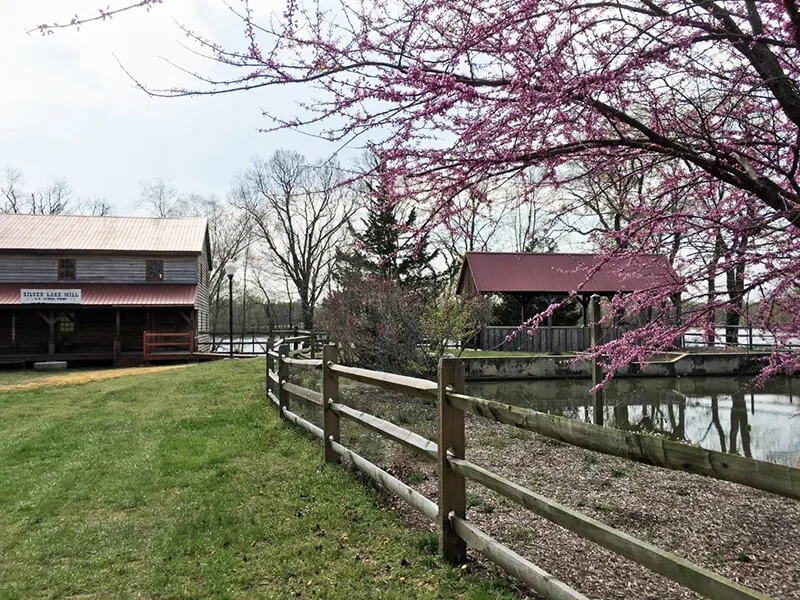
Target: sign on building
{"x": 49, "y": 296}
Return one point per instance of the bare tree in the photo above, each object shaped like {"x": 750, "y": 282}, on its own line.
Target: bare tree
{"x": 11, "y": 189}
{"x": 161, "y": 199}
{"x": 300, "y": 213}
{"x": 54, "y": 199}
{"x": 473, "y": 226}
{"x": 229, "y": 233}
{"x": 533, "y": 230}
{"x": 95, "y": 207}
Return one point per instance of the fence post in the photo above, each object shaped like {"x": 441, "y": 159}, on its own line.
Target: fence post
{"x": 597, "y": 372}
{"x": 283, "y": 376}
{"x": 330, "y": 393}
{"x": 313, "y": 345}
{"x": 270, "y": 368}
{"x": 452, "y": 487}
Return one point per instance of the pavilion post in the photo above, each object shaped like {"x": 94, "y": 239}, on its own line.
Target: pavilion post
{"x": 676, "y": 300}
{"x": 584, "y": 301}
{"x": 597, "y": 371}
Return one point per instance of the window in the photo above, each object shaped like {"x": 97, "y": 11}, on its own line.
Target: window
{"x": 154, "y": 270}
{"x": 66, "y": 269}
{"x": 66, "y": 323}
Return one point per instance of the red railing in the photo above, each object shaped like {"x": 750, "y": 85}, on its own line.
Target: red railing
{"x": 178, "y": 343}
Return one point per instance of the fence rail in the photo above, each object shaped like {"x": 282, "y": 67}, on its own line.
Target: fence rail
{"x": 258, "y": 343}
{"x": 419, "y": 388}
{"x": 643, "y": 448}
{"x": 454, "y": 469}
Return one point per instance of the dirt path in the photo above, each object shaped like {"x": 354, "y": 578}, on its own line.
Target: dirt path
{"x": 85, "y": 377}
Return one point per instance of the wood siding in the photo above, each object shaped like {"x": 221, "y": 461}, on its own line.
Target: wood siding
{"x": 17, "y": 268}
{"x": 203, "y": 291}
{"x": 543, "y": 339}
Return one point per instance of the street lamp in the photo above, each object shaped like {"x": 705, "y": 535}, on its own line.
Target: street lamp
{"x": 230, "y": 271}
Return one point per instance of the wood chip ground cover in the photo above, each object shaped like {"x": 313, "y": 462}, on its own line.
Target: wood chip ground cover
{"x": 749, "y": 536}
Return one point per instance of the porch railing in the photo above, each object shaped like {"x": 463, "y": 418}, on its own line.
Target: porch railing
{"x": 176, "y": 343}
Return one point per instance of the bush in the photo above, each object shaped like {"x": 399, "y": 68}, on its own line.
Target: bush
{"x": 376, "y": 322}
{"x": 453, "y": 321}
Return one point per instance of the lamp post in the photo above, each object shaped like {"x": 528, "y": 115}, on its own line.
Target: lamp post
{"x": 230, "y": 271}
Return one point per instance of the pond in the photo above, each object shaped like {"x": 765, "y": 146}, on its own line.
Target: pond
{"x": 716, "y": 413}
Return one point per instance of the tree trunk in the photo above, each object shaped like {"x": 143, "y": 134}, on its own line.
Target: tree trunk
{"x": 712, "y": 285}
{"x": 739, "y": 423}
{"x": 734, "y": 278}
{"x": 308, "y": 312}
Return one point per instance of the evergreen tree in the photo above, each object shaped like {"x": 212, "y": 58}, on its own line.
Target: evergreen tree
{"x": 387, "y": 246}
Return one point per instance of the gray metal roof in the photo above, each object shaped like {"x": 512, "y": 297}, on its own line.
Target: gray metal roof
{"x": 101, "y": 234}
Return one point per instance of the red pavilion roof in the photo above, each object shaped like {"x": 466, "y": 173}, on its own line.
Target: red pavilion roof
{"x": 517, "y": 272}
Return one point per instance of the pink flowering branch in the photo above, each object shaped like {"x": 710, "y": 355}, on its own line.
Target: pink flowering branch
{"x": 103, "y": 15}
{"x": 676, "y": 124}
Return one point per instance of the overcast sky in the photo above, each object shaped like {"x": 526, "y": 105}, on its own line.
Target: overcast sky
{"x": 67, "y": 110}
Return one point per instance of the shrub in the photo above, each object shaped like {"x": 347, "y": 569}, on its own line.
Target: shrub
{"x": 376, "y": 322}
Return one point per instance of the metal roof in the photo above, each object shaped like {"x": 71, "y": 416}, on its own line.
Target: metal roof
{"x": 103, "y": 234}
{"x": 517, "y": 272}
{"x": 108, "y": 294}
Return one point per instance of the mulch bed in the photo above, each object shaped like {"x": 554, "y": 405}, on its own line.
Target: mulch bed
{"x": 749, "y": 536}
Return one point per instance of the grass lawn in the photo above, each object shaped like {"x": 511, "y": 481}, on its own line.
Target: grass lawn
{"x": 184, "y": 484}
{"x": 14, "y": 376}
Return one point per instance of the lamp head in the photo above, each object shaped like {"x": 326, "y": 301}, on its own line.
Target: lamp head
{"x": 231, "y": 268}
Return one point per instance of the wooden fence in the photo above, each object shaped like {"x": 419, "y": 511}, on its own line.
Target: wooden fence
{"x": 541, "y": 339}
{"x": 257, "y": 343}
{"x": 456, "y": 532}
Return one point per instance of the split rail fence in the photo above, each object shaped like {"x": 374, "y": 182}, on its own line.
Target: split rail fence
{"x": 455, "y": 531}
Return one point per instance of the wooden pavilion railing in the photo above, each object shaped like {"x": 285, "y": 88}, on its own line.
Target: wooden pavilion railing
{"x": 455, "y": 531}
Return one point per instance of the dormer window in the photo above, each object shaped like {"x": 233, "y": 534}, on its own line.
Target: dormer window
{"x": 154, "y": 270}
{"x": 66, "y": 269}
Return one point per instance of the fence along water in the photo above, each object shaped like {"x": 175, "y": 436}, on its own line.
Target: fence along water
{"x": 455, "y": 531}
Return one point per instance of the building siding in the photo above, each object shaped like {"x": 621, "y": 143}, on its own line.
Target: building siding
{"x": 202, "y": 297}
{"x": 16, "y": 268}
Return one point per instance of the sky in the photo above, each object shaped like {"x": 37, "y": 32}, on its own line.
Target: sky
{"x": 68, "y": 110}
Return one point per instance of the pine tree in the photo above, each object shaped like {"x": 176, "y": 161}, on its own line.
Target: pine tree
{"x": 387, "y": 246}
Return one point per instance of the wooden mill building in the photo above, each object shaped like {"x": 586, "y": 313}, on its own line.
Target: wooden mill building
{"x": 81, "y": 288}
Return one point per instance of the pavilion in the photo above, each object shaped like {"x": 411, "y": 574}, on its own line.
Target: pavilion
{"x": 552, "y": 276}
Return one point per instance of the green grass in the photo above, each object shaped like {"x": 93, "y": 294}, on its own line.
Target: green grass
{"x": 184, "y": 484}
{"x": 13, "y": 376}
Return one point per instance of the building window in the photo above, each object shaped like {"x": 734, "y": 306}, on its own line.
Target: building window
{"x": 154, "y": 270}
{"x": 66, "y": 269}
{"x": 66, "y": 323}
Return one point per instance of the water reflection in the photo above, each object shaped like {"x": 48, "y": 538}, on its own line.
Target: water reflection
{"x": 715, "y": 413}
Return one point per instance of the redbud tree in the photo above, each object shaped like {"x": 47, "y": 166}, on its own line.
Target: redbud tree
{"x": 698, "y": 99}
